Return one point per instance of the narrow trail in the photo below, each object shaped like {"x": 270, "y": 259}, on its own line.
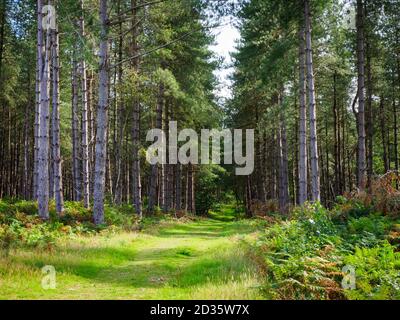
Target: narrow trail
{"x": 196, "y": 260}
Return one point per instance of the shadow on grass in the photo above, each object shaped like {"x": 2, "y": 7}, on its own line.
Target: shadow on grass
{"x": 207, "y": 229}
{"x": 156, "y": 264}
{"x": 156, "y": 268}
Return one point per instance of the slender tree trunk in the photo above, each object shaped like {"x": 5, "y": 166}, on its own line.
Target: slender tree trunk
{"x": 369, "y": 115}
{"x": 395, "y": 131}
{"x": 155, "y": 168}
{"x": 190, "y": 190}
{"x": 302, "y": 123}
{"x": 315, "y": 183}
{"x": 57, "y": 163}
{"x": 167, "y": 167}
{"x": 119, "y": 119}
{"x": 43, "y": 153}
{"x": 283, "y": 160}
{"x": 76, "y": 171}
{"x": 2, "y": 31}
{"x": 336, "y": 149}
{"x": 39, "y": 67}
{"x": 383, "y": 134}
{"x": 91, "y": 102}
{"x": 136, "y": 169}
{"x": 178, "y": 183}
{"x": 247, "y": 199}
{"x": 26, "y": 143}
{"x": 343, "y": 147}
{"x": 102, "y": 119}
{"x": 85, "y": 118}
{"x": 361, "y": 96}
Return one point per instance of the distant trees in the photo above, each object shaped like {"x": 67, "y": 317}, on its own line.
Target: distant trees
{"x": 342, "y": 148}
{"x": 73, "y": 127}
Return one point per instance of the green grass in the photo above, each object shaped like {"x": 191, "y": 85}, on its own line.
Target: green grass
{"x": 202, "y": 259}
{"x": 226, "y": 212}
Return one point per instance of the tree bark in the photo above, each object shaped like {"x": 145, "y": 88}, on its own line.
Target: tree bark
{"x": 369, "y": 115}
{"x": 283, "y": 159}
{"x": 315, "y": 182}
{"x": 190, "y": 190}
{"x": 136, "y": 168}
{"x": 85, "y": 118}
{"x": 336, "y": 150}
{"x": 43, "y": 152}
{"x": 76, "y": 167}
{"x": 178, "y": 184}
{"x": 155, "y": 168}
{"x": 39, "y": 67}
{"x": 361, "y": 167}
{"x": 302, "y": 123}
{"x": 102, "y": 120}
{"x": 57, "y": 163}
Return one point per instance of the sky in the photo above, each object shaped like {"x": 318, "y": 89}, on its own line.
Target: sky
{"x": 225, "y": 37}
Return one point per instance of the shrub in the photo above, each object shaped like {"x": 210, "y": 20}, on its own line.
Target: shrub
{"x": 302, "y": 257}
{"x": 377, "y": 273}
{"x": 208, "y": 184}
{"x": 123, "y": 216}
{"x": 21, "y": 226}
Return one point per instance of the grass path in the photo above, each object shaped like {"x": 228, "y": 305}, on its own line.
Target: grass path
{"x": 197, "y": 260}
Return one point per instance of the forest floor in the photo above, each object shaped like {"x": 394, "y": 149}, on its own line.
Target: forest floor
{"x": 201, "y": 259}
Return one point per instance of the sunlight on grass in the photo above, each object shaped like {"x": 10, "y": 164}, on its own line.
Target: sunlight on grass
{"x": 195, "y": 260}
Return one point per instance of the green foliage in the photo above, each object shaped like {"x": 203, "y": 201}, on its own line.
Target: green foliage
{"x": 377, "y": 273}
{"x": 303, "y": 257}
{"x": 123, "y": 216}
{"x": 208, "y": 188}
{"x": 20, "y": 225}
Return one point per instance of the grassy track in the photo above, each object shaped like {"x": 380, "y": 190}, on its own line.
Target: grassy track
{"x": 197, "y": 260}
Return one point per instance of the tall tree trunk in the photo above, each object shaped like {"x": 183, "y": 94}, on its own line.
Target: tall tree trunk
{"x": 315, "y": 183}
{"x": 259, "y": 165}
{"x": 167, "y": 167}
{"x": 76, "y": 168}
{"x": 3, "y": 12}
{"x": 302, "y": 123}
{"x": 155, "y": 168}
{"x": 283, "y": 159}
{"x": 43, "y": 153}
{"x": 39, "y": 67}
{"x": 92, "y": 144}
{"x": 190, "y": 189}
{"x": 395, "y": 130}
{"x": 336, "y": 150}
{"x": 247, "y": 198}
{"x": 383, "y": 134}
{"x": 361, "y": 167}
{"x": 57, "y": 163}
{"x": 178, "y": 184}
{"x": 343, "y": 147}
{"x": 369, "y": 115}
{"x": 136, "y": 169}
{"x": 26, "y": 193}
{"x": 102, "y": 119}
{"x": 85, "y": 118}
{"x": 3, "y": 151}
{"x": 119, "y": 119}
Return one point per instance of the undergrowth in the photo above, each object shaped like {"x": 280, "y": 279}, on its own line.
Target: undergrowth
{"x": 20, "y": 225}
{"x": 303, "y": 257}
